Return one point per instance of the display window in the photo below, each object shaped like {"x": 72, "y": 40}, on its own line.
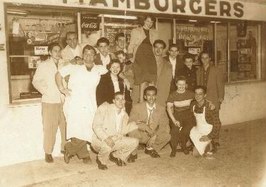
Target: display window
{"x": 234, "y": 46}
{"x": 243, "y": 47}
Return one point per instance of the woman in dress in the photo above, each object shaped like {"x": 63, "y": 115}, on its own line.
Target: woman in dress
{"x": 140, "y": 51}
{"x": 110, "y": 83}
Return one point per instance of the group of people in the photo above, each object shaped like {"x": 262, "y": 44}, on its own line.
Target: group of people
{"x": 113, "y": 101}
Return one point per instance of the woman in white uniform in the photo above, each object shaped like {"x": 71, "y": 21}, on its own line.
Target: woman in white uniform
{"x": 80, "y": 102}
{"x": 207, "y": 122}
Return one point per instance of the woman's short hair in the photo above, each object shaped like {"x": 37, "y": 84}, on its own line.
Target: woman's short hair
{"x": 142, "y": 19}
{"x": 180, "y": 78}
{"x": 114, "y": 61}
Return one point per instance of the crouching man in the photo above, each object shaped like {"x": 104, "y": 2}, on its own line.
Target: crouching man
{"x": 110, "y": 125}
{"x": 207, "y": 123}
{"x": 153, "y": 124}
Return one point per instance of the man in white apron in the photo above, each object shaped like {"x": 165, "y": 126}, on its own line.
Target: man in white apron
{"x": 207, "y": 122}
{"x": 80, "y": 103}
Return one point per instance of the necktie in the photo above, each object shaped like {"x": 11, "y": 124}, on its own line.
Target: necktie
{"x": 150, "y": 116}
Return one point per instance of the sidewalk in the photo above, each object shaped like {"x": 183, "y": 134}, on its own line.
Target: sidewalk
{"x": 240, "y": 161}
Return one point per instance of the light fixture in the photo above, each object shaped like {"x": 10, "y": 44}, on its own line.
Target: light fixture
{"x": 215, "y": 22}
{"x": 118, "y": 16}
{"x": 17, "y": 12}
{"x": 193, "y": 20}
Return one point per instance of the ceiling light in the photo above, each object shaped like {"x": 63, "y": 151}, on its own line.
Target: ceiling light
{"x": 17, "y": 12}
{"x": 215, "y": 22}
{"x": 193, "y": 20}
{"x": 118, "y": 16}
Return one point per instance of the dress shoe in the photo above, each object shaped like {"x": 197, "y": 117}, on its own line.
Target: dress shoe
{"x": 48, "y": 158}
{"x": 185, "y": 151}
{"x": 67, "y": 157}
{"x": 117, "y": 161}
{"x": 141, "y": 146}
{"x": 120, "y": 162}
{"x": 173, "y": 153}
{"x": 87, "y": 160}
{"x": 100, "y": 165}
{"x": 132, "y": 158}
{"x": 215, "y": 146}
{"x": 152, "y": 153}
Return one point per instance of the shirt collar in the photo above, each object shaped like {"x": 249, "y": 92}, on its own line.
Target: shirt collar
{"x": 151, "y": 108}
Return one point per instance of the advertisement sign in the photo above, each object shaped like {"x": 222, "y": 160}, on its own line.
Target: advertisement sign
{"x": 89, "y": 23}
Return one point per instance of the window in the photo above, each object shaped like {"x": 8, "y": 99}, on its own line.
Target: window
{"x": 243, "y": 49}
{"x": 30, "y": 31}
{"x": 237, "y": 50}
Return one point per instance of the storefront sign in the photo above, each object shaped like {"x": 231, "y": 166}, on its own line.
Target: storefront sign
{"x": 209, "y": 8}
{"x": 89, "y": 23}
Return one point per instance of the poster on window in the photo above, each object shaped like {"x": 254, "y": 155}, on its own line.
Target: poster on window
{"x": 192, "y": 35}
{"x": 111, "y": 30}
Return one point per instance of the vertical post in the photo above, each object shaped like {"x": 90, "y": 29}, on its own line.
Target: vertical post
{"x": 259, "y": 54}
{"x": 102, "y": 23}
{"x": 79, "y": 26}
{"x": 215, "y": 42}
{"x": 228, "y": 54}
{"x": 156, "y": 23}
{"x": 174, "y": 31}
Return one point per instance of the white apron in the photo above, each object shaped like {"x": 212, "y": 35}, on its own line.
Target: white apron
{"x": 202, "y": 128}
{"x": 80, "y": 106}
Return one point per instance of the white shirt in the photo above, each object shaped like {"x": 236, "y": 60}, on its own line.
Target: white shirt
{"x": 76, "y": 51}
{"x": 44, "y": 81}
{"x": 118, "y": 119}
{"x": 173, "y": 63}
{"x": 150, "y": 110}
{"x": 115, "y": 83}
{"x": 105, "y": 60}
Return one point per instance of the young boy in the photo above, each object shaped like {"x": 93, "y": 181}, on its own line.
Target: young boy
{"x": 127, "y": 71}
{"x": 182, "y": 119}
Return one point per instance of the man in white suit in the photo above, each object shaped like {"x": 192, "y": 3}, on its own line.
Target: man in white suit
{"x": 110, "y": 126}
{"x": 52, "y": 100}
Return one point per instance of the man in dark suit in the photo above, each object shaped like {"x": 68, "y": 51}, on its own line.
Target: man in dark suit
{"x": 212, "y": 78}
{"x": 153, "y": 124}
{"x": 175, "y": 60}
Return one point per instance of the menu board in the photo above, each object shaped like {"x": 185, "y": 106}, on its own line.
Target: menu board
{"x": 193, "y": 36}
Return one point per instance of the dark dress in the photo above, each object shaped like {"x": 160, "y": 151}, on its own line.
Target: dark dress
{"x": 105, "y": 91}
{"x": 145, "y": 68}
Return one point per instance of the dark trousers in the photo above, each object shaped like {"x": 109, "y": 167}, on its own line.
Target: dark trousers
{"x": 187, "y": 121}
{"x": 77, "y": 147}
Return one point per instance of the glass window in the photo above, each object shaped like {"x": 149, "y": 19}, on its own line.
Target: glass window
{"x": 243, "y": 47}
{"x": 222, "y": 47}
{"x": 30, "y": 31}
{"x": 194, "y": 38}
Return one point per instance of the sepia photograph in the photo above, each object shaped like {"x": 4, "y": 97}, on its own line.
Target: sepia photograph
{"x": 133, "y": 93}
